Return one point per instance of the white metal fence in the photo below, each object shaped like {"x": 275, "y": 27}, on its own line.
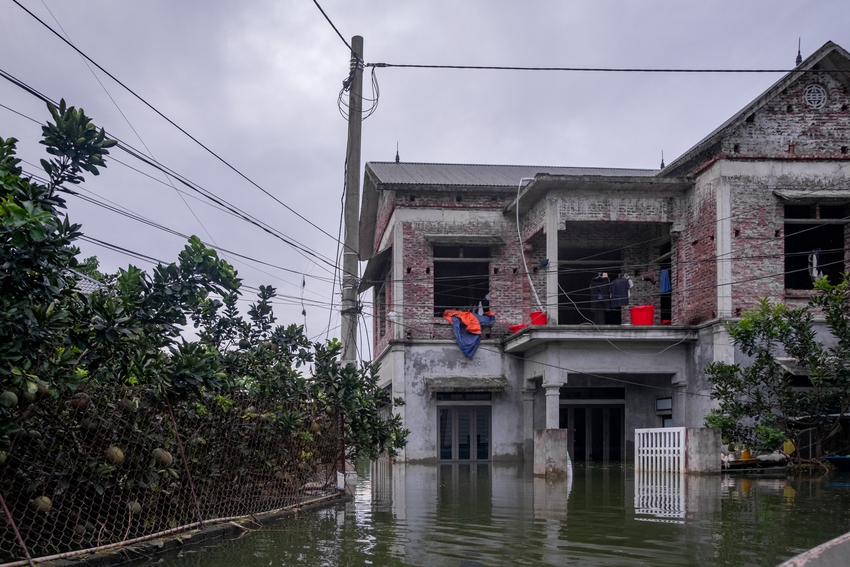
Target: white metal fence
{"x": 660, "y": 449}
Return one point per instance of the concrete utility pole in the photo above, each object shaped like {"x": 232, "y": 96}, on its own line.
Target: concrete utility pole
{"x": 350, "y": 307}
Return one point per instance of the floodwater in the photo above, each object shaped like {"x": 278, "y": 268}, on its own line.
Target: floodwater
{"x": 476, "y": 515}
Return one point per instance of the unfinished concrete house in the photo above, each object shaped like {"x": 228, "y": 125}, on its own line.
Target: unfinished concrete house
{"x": 629, "y": 275}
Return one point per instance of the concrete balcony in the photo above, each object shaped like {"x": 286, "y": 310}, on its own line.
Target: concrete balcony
{"x": 619, "y": 335}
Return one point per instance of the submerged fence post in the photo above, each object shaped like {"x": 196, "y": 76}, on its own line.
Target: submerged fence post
{"x": 15, "y": 528}
{"x": 185, "y": 463}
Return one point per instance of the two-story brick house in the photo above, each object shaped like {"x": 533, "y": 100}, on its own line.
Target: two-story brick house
{"x": 741, "y": 215}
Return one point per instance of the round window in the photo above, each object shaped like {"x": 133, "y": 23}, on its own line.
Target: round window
{"x": 815, "y": 96}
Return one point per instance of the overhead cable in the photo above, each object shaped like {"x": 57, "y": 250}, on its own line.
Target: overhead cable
{"x": 595, "y": 69}
{"x": 167, "y": 119}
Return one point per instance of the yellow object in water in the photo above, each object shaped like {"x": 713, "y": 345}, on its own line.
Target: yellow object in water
{"x": 788, "y": 447}
{"x": 746, "y": 455}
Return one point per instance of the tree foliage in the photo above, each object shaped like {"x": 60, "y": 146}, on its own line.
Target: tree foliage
{"x": 54, "y": 339}
{"x": 761, "y": 405}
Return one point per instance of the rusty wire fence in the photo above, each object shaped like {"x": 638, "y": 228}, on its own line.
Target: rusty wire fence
{"x": 101, "y": 468}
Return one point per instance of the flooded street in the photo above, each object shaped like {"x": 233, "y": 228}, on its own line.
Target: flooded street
{"x": 487, "y": 514}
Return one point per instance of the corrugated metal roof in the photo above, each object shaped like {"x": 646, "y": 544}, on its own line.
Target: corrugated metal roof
{"x": 393, "y": 173}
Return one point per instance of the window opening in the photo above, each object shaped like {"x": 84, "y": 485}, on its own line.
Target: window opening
{"x": 592, "y": 393}
{"x": 464, "y": 433}
{"x": 814, "y": 244}
{"x": 461, "y": 277}
{"x": 382, "y": 308}
{"x": 577, "y": 268}
{"x": 595, "y": 433}
{"x": 665, "y": 299}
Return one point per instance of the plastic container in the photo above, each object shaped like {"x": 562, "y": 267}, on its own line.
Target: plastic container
{"x": 642, "y": 314}
{"x": 517, "y": 328}
{"x": 539, "y": 318}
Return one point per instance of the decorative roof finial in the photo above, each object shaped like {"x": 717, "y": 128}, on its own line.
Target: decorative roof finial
{"x": 799, "y": 56}
{"x": 662, "y": 160}
{"x": 396, "y": 152}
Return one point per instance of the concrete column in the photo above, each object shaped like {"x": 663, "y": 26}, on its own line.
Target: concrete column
{"x": 724, "y": 247}
{"x": 399, "y": 387}
{"x": 553, "y": 405}
{"x": 528, "y": 424}
{"x": 552, "y": 254}
{"x": 551, "y": 458}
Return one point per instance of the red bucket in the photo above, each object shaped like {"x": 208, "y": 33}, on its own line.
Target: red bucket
{"x": 642, "y": 314}
{"x": 539, "y": 318}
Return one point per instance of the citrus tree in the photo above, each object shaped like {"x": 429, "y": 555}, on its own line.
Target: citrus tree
{"x": 760, "y": 405}
{"x": 54, "y": 339}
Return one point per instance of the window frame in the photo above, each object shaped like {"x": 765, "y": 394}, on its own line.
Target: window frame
{"x": 452, "y": 258}
{"x": 798, "y": 220}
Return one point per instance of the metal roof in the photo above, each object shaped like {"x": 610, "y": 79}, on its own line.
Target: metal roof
{"x": 85, "y": 284}
{"x": 467, "y": 175}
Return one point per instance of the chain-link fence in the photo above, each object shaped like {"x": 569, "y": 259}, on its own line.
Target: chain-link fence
{"x": 100, "y": 467}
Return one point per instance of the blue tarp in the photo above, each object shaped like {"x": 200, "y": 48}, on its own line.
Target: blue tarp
{"x": 468, "y": 342}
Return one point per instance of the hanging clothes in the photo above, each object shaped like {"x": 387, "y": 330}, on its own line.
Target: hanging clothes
{"x": 619, "y": 292}
{"x": 814, "y": 260}
{"x": 466, "y": 327}
{"x": 600, "y": 298}
{"x": 664, "y": 285}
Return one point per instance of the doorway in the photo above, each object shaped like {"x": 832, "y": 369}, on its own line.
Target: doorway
{"x": 464, "y": 433}
{"x": 596, "y": 432}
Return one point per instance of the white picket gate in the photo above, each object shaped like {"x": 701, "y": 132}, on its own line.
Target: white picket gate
{"x": 660, "y": 449}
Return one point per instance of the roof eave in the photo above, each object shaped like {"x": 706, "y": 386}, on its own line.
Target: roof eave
{"x": 543, "y": 184}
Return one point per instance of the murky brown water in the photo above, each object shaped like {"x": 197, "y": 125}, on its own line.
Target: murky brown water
{"x": 485, "y": 515}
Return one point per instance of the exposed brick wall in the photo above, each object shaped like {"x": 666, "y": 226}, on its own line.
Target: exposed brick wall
{"x": 452, "y": 200}
{"x": 506, "y": 287}
{"x": 696, "y": 278}
{"x": 787, "y": 125}
{"x": 757, "y": 243}
{"x": 618, "y": 207}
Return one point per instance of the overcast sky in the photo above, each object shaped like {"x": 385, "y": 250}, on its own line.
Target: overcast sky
{"x": 257, "y": 82}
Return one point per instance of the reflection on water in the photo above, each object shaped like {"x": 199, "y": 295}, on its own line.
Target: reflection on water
{"x": 487, "y": 514}
{"x": 660, "y": 496}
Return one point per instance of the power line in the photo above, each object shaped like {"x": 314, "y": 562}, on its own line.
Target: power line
{"x": 333, "y": 26}
{"x": 594, "y": 69}
{"x": 167, "y": 119}
{"x": 132, "y": 253}
{"x": 225, "y": 206}
{"x": 127, "y": 120}
{"x": 135, "y": 216}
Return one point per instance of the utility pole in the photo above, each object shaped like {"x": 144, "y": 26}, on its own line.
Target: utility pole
{"x": 350, "y": 258}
